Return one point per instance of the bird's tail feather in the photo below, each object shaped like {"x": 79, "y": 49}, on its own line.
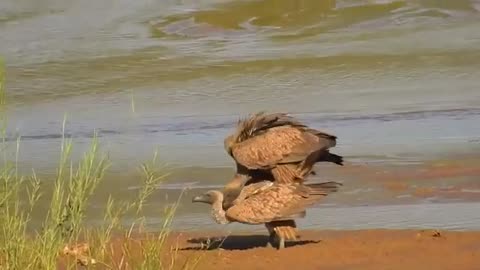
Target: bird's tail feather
{"x": 329, "y": 157}
{"x": 287, "y": 233}
{"x": 286, "y": 229}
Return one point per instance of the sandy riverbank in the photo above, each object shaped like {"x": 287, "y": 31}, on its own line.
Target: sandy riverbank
{"x": 363, "y": 249}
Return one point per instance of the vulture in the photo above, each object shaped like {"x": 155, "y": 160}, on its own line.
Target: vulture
{"x": 274, "y": 204}
{"x": 276, "y": 147}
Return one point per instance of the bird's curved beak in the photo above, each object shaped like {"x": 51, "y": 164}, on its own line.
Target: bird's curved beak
{"x": 200, "y": 198}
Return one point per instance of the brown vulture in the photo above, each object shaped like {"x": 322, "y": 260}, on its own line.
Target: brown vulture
{"x": 274, "y": 204}
{"x": 275, "y": 147}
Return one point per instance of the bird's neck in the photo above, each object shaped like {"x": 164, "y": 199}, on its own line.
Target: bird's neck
{"x": 218, "y": 214}
{"x": 233, "y": 189}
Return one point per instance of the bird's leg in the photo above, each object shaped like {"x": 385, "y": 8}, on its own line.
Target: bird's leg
{"x": 281, "y": 243}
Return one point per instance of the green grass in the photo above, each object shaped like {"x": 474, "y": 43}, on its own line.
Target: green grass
{"x": 52, "y": 245}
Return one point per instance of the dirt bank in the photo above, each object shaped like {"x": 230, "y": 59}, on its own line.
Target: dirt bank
{"x": 365, "y": 249}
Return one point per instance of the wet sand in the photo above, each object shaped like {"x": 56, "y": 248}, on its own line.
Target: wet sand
{"x": 362, "y": 249}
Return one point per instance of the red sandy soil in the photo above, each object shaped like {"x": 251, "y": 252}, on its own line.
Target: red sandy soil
{"x": 363, "y": 249}
{"x": 377, "y": 249}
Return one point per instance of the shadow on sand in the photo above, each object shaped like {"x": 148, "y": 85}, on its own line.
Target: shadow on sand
{"x": 237, "y": 242}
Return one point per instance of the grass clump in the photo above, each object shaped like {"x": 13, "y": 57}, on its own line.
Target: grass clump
{"x": 64, "y": 241}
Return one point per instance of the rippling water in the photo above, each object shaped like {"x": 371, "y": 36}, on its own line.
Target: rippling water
{"x": 397, "y": 81}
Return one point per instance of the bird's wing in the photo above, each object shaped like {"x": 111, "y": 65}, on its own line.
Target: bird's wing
{"x": 257, "y": 124}
{"x": 310, "y": 194}
{"x": 277, "y": 202}
{"x": 262, "y": 141}
{"x": 260, "y": 122}
{"x": 280, "y": 145}
{"x": 252, "y": 189}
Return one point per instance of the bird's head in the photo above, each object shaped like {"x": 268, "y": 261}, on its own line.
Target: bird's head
{"x": 209, "y": 197}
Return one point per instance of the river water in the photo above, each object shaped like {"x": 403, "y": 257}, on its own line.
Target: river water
{"x": 396, "y": 81}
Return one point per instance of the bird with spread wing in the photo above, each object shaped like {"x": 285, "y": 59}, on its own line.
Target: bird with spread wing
{"x": 271, "y": 203}
{"x": 276, "y": 147}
